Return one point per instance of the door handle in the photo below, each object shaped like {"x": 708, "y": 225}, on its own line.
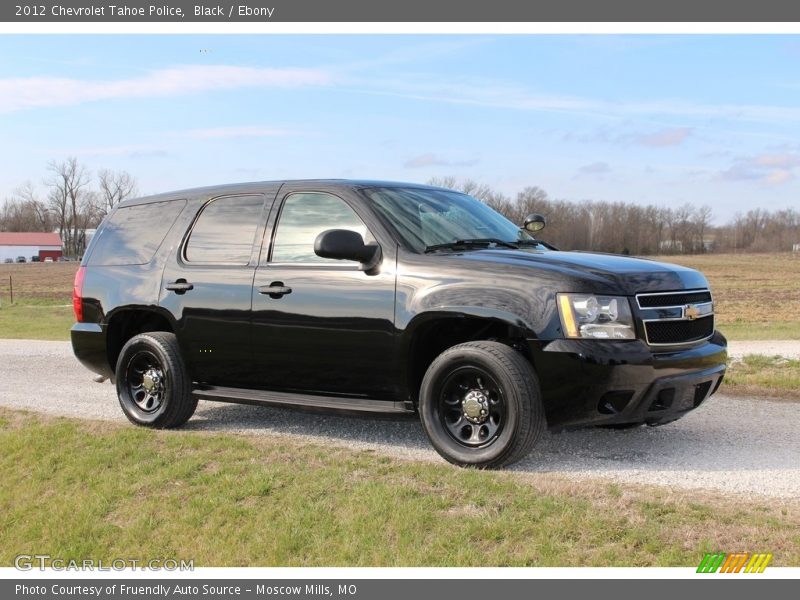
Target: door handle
{"x": 181, "y": 286}
{"x": 275, "y": 290}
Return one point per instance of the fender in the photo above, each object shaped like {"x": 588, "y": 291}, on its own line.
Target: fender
{"x": 447, "y": 287}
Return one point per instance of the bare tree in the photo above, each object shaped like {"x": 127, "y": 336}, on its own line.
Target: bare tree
{"x": 481, "y": 191}
{"x": 114, "y": 188}
{"x": 633, "y": 229}
{"x": 68, "y": 196}
{"x": 446, "y": 182}
{"x": 14, "y": 217}
{"x": 38, "y": 209}
{"x": 24, "y": 211}
{"x": 702, "y": 222}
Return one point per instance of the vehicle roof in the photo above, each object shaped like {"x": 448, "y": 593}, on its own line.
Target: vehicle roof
{"x": 254, "y": 186}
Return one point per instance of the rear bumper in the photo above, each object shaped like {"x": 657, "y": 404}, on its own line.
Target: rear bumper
{"x": 589, "y": 382}
{"x": 89, "y": 346}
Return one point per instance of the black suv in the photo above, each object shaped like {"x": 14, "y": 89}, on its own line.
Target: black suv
{"x": 386, "y": 298}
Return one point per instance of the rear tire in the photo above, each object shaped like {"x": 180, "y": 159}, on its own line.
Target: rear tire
{"x": 480, "y": 405}
{"x": 153, "y": 386}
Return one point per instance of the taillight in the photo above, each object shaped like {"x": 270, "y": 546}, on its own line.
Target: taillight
{"x": 77, "y": 294}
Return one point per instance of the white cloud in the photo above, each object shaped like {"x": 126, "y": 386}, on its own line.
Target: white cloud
{"x": 41, "y": 92}
{"x": 130, "y": 150}
{"x": 672, "y": 136}
{"x": 237, "y": 132}
{"x": 669, "y": 136}
{"x": 596, "y": 168}
{"x": 778, "y": 160}
{"x": 479, "y": 93}
{"x": 499, "y": 94}
{"x": 769, "y": 168}
{"x": 779, "y": 176}
{"x": 433, "y": 160}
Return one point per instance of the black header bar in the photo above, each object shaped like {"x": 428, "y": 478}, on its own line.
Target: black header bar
{"x": 440, "y": 11}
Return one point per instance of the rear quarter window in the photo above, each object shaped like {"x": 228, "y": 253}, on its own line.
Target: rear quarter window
{"x": 132, "y": 234}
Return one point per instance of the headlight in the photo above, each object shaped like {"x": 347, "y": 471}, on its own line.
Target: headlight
{"x": 597, "y": 317}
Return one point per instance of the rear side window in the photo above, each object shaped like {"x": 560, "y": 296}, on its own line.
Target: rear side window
{"x": 132, "y": 234}
{"x": 225, "y": 230}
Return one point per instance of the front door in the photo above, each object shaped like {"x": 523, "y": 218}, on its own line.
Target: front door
{"x": 321, "y": 325}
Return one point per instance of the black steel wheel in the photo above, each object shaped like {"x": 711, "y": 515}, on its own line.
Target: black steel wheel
{"x": 471, "y": 406}
{"x": 145, "y": 378}
{"x": 153, "y": 387}
{"x": 480, "y": 405}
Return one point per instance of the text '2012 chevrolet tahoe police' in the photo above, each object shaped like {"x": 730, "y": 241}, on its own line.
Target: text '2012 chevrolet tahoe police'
{"x": 386, "y": 298}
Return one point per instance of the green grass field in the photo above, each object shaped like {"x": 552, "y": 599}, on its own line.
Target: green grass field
{"x": 76, "y": 489}
{"x": 773, "y": 376}
{"x": 42, "y": 306}
{"x": 770, "y": 330}
{"x": 35, "y": 322}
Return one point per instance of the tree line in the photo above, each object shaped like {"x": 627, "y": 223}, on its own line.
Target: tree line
{"x": 73, "y": 201}
{"x": 625, "y": 228}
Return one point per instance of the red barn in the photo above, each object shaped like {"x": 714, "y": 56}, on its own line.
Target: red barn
{"x": 29, "y": 244}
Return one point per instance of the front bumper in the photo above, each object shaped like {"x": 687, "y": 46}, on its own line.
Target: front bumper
{"x": 593, "y": 382}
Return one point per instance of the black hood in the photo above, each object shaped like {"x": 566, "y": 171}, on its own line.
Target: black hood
{"x": 614, "y": 273}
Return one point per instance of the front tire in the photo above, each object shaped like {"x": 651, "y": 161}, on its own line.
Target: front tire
{"x": 153, "y": 386}
{"x": 481, "y": 406}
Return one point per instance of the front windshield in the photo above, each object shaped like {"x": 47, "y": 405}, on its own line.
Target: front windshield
{"x": 424, "y": 218}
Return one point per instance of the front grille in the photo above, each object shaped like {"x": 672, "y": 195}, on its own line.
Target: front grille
{"x": 679, "y": 331}
{"x": 679, "y": 317}
{"x": 673, "y": 299}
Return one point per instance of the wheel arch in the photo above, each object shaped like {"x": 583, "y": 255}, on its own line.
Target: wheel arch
{"x": 432, "y": 332}
{"x": 127, "y": 322}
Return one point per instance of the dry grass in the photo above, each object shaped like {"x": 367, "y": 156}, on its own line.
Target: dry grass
{"x": 753, "y": 289}
{"x": 38, "y": 283}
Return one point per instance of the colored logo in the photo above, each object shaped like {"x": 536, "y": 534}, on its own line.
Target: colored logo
{"x": 737, "y": 562}
{"x": 691, "y": 312}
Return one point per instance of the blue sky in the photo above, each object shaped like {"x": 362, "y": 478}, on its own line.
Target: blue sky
{"x": 646, "y": 119}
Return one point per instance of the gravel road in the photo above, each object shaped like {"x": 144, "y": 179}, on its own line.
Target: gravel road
{"x": 785, "y": 348}
{"x": 734, "y": 445}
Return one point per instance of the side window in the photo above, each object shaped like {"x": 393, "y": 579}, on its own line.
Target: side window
{"x": 132, "y": 234}
{"x": 303, "y": 217}
{"x": 225, "y": 230}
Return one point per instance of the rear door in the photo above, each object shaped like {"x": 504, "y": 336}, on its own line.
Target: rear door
{"x": 321, "y": 325}
{"x": 208, "y": 281}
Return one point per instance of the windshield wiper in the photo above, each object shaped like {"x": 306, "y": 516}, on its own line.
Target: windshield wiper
{"x": 472, "y": 242}
{"x": 538, "y": 243}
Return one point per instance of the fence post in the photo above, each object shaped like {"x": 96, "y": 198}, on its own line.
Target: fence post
{"x": 11, "y": 289}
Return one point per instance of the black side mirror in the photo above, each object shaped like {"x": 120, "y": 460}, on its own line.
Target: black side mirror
{"x": 534, "y": 222}
{"x": 343, "y": 244}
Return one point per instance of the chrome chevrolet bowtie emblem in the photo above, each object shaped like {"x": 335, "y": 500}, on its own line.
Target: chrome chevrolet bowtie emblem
{"x": 691, "y": 312}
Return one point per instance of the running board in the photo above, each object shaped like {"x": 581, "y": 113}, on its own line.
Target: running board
{"x": 288, "y": 399}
